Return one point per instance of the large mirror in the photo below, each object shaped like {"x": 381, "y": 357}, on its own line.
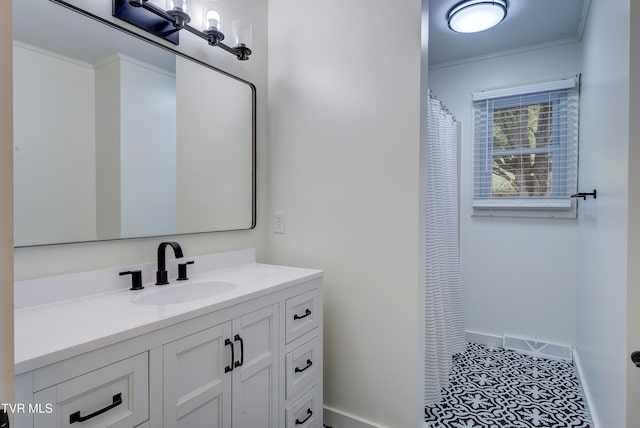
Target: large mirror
{"x": 118, "y": 137}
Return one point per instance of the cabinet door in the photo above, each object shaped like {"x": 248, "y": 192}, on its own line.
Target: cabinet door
{"x": 197, "y": 392}
{"x": 255, "y": 377}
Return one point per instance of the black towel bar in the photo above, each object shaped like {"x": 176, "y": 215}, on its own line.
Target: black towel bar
{"x": 584, "y": 195}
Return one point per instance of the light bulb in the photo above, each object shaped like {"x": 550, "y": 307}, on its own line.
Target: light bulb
{"x": 212, "y": 20}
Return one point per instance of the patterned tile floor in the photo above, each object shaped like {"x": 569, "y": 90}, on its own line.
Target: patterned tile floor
{"x": 495, "y": 388}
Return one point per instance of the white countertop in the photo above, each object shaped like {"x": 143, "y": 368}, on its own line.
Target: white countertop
{"x": 47, "y": 333}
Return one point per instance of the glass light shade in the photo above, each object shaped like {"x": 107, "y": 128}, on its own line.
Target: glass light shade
{"x": 182, "y": 5}
{"x": 473, "y": 16}
{"x": 241, "y": 32}
{"x": 212, "y": 20}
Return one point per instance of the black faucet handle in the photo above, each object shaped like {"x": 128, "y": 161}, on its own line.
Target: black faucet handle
{"x": 182, "y": 270}
{"x": 136, "y": 279}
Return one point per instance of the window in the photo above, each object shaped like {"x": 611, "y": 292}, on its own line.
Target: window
{"x": 525, "y": 147}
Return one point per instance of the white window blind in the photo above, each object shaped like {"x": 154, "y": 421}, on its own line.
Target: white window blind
{"x": 526, "y": 146}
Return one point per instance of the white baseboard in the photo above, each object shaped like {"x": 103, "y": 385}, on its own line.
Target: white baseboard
{"x": 538, "y": 348}
{"x": 585, "y": 388}
{"x": 484, "y": 339}
{"x": 339, "y": 419}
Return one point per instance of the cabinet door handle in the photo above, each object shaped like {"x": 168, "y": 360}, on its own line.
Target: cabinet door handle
{"x": 306, "y": 314}
{"x": 75, "y": 417}
{"x": 229, "y": 368}
{"x": 238, "y": 338}
{"x": 309, "y": 414}
{"x": 300, "y": 370}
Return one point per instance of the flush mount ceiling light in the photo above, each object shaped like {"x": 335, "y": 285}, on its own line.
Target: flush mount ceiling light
{"x": 167, "y": 23}
{"x": 472, "y": 16}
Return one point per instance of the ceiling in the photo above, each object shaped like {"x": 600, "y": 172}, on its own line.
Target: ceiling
{"x": 528, "y": 23}
{"x": 68, "y": 33}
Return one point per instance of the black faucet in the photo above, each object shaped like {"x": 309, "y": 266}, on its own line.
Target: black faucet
{"x": 161, "y": 275}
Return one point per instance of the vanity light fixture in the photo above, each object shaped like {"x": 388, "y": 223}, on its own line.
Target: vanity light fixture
{"x": 212, "y": 25}
{"x": 472, "y": 16}
{"x": 167, "y": 23}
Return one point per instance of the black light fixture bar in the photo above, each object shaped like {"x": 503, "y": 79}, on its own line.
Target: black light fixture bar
{"x": 129, "y": 10}
{"x": 150, "y": 22}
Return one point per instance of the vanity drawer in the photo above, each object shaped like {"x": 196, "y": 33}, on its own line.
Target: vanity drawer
{"x": 302, "y": 367}
{"x": 306, "y": 412}
{"x": 113, "y": 396}
{"x": 301, "y": 315}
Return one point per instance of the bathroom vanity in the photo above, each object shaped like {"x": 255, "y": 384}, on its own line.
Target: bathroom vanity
{"x": 241, "y": 348}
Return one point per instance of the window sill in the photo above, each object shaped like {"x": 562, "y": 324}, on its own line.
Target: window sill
{"x": 521, "y": 212}
{"x": 523, "y": 204}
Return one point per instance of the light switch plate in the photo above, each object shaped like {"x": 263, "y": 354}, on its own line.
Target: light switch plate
{"x": 278, "y": 222}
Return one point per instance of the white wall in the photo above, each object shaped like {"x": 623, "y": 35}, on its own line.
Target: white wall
{"x": 148, "y": 149}
{"x": 345, "y": 111}
{"x": 135, "y": 148}
{"x": 107, "y": 161}
{"x": 49, "y": 260}
{"x": 6, "y": 205}
{"x": 604, "y": 165}
{"x": 43, "y": 114}
{"x": 500, "y": 297}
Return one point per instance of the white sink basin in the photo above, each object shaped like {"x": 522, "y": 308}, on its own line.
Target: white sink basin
{"x": 181, "y": 293}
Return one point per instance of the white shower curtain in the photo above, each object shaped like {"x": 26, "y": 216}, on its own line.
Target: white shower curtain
{"x": 444, "y": 323}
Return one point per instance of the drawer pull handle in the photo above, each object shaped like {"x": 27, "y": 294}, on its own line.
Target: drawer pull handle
{"x": 229, "y": 368}
{"x": 75, "y": 417}
{"x": 238, "y": 338}
{"x": 306, "y": 314}
{"x": 309, "y": 414}
{"x": 300, "y": 370}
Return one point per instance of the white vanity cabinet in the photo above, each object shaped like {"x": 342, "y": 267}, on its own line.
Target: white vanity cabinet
{"x": 224, "y": 376}
{"x": 303, "y": 360}
{"x": 252, "y": 362}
